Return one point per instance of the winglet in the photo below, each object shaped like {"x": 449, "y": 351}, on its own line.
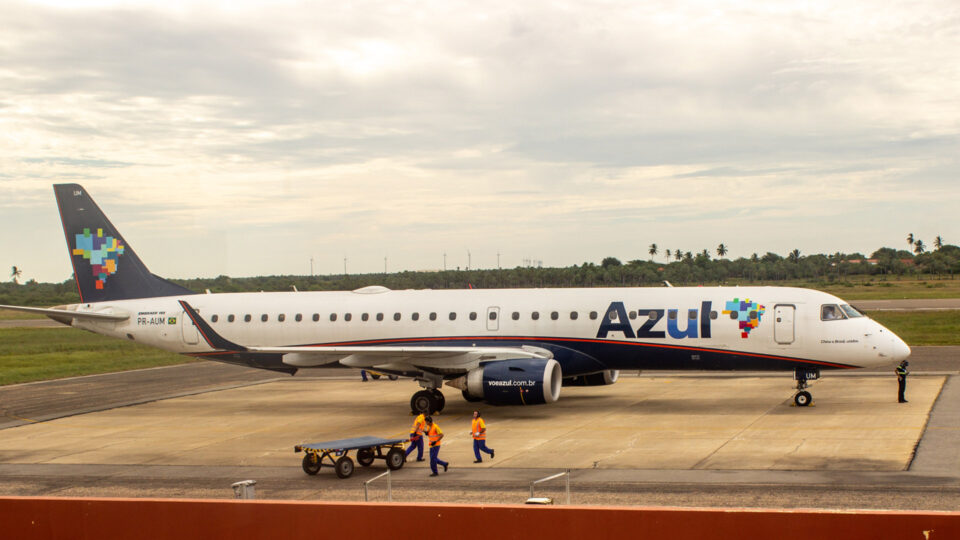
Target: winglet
{"x": 212, "y": 338}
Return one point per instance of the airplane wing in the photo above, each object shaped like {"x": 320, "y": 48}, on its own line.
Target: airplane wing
{"x": 65, "y": 315}
{"x": 444, "y": 360}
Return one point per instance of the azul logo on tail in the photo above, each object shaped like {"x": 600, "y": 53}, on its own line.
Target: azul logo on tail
{"x": 695, "y": 322}
{"x": 103, "y": 253}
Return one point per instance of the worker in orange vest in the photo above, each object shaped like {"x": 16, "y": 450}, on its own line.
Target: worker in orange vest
{"x": 478, "y": 430}
{"x": 416, "y": 436}
{"x": 435, "y": 434}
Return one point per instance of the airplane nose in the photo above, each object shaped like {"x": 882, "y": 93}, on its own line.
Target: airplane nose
{"x": 900, "y": 349}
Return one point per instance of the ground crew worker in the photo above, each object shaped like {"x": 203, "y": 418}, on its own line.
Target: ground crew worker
{"x": 478, "y": 430}
{"x": 434, "y": 433}
{"x": 902, "y": 380}
{"x": 416, "y": 436}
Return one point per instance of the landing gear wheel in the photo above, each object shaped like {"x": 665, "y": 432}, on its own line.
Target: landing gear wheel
{"x": 311, "y": 465}
{"x": 441, "y": 401}
{"x": 365, "y": 456}
{"x": 802, "y": 399}
{"x": 344, "y": 467}
{"x": 423, "y": 402}
{"x": 395, "y": 459}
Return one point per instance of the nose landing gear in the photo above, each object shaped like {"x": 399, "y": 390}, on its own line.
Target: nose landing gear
{"x": 802, "y": 375}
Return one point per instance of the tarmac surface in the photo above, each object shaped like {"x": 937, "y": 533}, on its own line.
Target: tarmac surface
{"x": 676, "y": 439}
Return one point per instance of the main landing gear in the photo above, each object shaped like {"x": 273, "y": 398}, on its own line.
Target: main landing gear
{"x": 427, "y": 401}
{"x": 802, "y": 375}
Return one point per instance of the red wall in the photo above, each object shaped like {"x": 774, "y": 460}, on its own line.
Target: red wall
{"x": 25, "y": 518}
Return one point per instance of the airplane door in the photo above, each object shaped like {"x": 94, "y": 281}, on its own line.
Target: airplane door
{"x": 783, "y": 327}
{"x": 493, "y": 318}
{"x": 188, "y": 329}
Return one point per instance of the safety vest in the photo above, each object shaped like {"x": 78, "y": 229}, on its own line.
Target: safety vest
{"x": 418, "y": 425}
{"x": 478, "y": 425}
{"x": 901, "y": 371}
{"x": 434, "y": 433}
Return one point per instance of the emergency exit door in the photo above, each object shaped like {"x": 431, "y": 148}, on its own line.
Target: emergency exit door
{"x": 493, "y": 318}
{"x": 188, "y": 329}
{"x": 783, "y": 326}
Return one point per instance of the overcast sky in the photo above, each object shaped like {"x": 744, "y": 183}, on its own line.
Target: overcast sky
{"x": 246, "y": 138}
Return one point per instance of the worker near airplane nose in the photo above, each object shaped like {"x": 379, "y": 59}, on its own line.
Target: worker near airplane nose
{"x": 902, "y": 380}
{"x": 434, "y": 433}
{"x": 416, "y": 436}
{"x": 478, "y": 430}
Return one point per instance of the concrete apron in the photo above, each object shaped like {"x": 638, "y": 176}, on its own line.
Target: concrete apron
{"x": 682, "y": 423}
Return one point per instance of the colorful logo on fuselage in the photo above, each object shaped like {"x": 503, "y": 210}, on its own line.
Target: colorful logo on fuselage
{"x": 103, "y": 252}
{"x": 746, "y": 312}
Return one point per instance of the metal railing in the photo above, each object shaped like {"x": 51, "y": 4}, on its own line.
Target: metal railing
{"x": 547, "y": 479}
{"x": 366, "y": 493}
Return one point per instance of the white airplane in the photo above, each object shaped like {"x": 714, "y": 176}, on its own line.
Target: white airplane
{"x": 502, "y": 346}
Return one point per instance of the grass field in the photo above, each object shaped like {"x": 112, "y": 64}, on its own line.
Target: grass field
{"x": 33, "y": 354}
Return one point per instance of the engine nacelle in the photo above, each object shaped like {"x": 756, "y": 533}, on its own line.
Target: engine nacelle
{"x": 601, "y": 378}
{"x": 526, "y": 381}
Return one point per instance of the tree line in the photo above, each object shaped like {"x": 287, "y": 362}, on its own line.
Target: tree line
{"x": 686, "y": 268}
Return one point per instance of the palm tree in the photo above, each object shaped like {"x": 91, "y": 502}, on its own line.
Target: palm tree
{"x": 938, "y": 242}
{"x": 652, "y": 250}
{"x": 15, "y": 273}
{"x": 721, "y": 250}
{"x": 668, "y": 253}
{"x": 910, "y": 239}
{"x": 677, "y": 254}
{"x": 795, "y": 255}
{"x": 918, "y": 247}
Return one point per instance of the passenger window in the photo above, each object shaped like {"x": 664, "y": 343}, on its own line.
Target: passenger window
{"x": 333, "y": 317}
{"x": 652, "y": 315}
{"x": 453, "y": 316}
{"x": 632, "y": 315}
{"x": 396, "y": 316}
{"x": 493, "y": 316}
{"x": 379, "y": 316}
{"x": 230, "y": 318}
{"x": 612, "y": 315}
{"x": 263, "y": 318}
{"x": 433, "y": 315}
{"x": 214, "y": 318}
{"x": 593, "y": 315}
{"x": 473, "y": 316}
{"x": 830, "y": 312}
{"x": 535, "y": 315}
{"x": 281, "y": 317}
{"x": 554, "y": 315}
{"x": 713, "y": 315}
{"x": 574, "y": 315}
{"x": 347, "y": 317}
{"x": 365, "y": 317}
{"x": 415, "y": 316}
{"x": 753, "y": 314}
{"x": 672, "y": 314}
{"x": 692, "y": 314}
{"x": 299, "y": 317}
{"x": 247, "y": 318}
{"x": 515, "y": 316}
{"x": 316, "y": 317}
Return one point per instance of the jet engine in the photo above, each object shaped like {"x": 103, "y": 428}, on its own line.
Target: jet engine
{"x": 601, "y": 378}
{"x": 525, "y": 381}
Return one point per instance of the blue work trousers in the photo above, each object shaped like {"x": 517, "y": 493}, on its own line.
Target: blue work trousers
{"x": 480, "y": 445}
{"x": 435, "y": 460}
{"x": 418, "y": 444}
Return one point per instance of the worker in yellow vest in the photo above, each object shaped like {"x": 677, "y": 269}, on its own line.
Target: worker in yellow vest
{"x": 435, "y": 434}
{"x": 478, "y": 430}
{"x": 416, "y": 436}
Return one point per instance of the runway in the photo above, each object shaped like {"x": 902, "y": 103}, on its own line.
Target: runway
{"x": 719, "y": 439}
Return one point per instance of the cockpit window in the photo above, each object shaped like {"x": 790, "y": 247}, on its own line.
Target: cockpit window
{"x": 831, "y": 312}
{"x": 850, "y": 311}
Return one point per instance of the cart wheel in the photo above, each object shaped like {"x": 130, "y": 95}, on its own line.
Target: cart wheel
{"x": 344, "y": 467}
{"x": 395, "y": 459}
{"x": 365, "y": 456}
{"x": 802, "y": 399}
{"x": 311, "y": 465}
{"x": 376, "y": 376}
{"x": 393, "y": 377}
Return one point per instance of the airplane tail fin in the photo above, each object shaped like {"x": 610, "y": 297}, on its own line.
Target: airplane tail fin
{"x": 104, "y": 265}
